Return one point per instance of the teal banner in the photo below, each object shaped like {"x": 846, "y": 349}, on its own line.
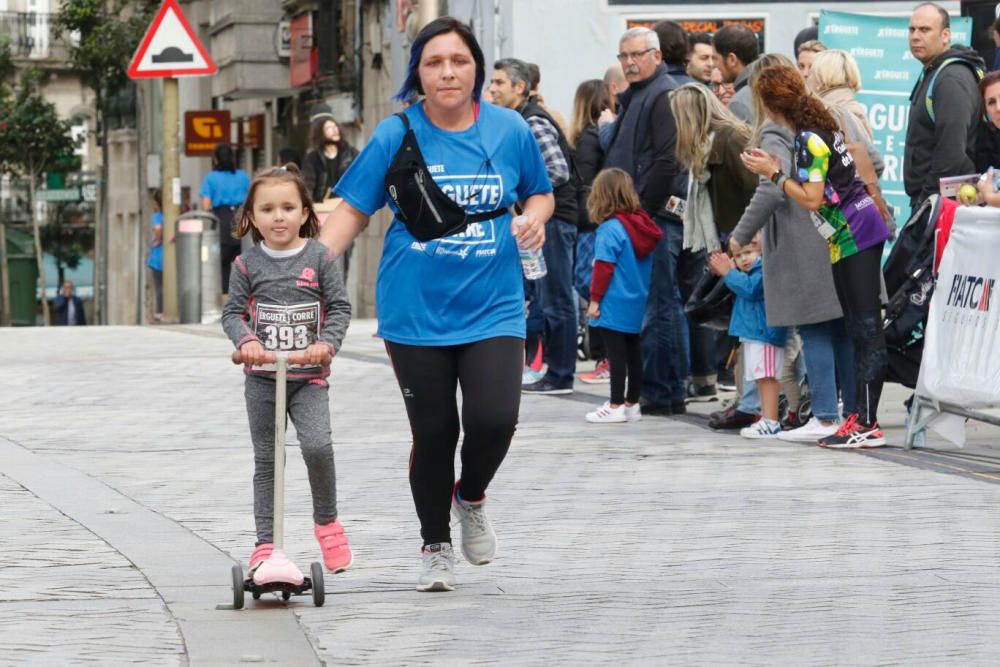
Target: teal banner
{"x": 880, "y": 44}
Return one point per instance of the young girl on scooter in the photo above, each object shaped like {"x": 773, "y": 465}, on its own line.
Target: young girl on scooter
{"x": 287, "y": 295}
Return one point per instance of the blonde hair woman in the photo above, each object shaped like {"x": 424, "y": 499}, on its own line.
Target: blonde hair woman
{"x": 710, "y": 139}
{"x": 807, "y": 52}
{"x": 835, "y": 77}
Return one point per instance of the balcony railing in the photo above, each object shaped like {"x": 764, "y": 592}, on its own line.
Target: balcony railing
{"x": 32, "y": 37}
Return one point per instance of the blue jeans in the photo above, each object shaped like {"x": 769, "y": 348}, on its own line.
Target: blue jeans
{"x": 558, "y": 302}
{"x": 664, "y": 359}
{"x": 583, "y": 267}
{"x": 750, "y": 400}
{"x": 829, "y": 357}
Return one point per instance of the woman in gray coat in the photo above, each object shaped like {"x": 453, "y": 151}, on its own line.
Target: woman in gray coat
{"x": 798, "y": 281}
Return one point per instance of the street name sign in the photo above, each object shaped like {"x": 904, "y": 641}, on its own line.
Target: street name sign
{"x": 58, "y": 194}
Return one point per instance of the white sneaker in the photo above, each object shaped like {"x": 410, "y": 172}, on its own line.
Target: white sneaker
{"x": 812, "y": 431}
{"x": 633, "y": 413}
{"x": 438, "y": 568}
{"x": 762, "y": 429}
{"x": 607, "y": 415}
{"x": 529, "y": 376}
{"x": 479, "y": 541}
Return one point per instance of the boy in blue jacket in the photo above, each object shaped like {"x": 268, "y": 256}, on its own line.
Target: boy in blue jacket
{"x": 763, "y": 346}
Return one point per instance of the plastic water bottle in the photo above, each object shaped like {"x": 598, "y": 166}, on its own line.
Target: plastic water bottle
{"x": 532, "y": 261}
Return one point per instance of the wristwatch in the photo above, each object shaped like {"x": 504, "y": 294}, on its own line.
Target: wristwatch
{"x": 776, "y": 176}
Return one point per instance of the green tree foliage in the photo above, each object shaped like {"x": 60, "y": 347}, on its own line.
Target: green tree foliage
{"x": 33, "y": 140}
{"x": 106, "y": 34}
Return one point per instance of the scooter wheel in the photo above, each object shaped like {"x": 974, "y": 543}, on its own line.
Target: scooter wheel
{"x": 286, "y": 595}
{"x": 237, "y": 586}
{"x": 319, "y": 592}
{"x": 256, "y": 595}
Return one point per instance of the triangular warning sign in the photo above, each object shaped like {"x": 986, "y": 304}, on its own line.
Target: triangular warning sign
{"x": 170, "y": 48}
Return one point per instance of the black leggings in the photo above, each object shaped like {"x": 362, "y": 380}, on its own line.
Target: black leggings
{"x": 858, "y": 282}
{"x": 625, "y": 360}
{"x": 489, "y": 373}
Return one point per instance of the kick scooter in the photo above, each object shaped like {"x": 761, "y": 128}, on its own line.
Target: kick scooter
{"x": 278, "y": 574}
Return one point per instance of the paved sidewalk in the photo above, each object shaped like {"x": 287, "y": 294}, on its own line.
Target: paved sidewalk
{"x": 125, "y": 480}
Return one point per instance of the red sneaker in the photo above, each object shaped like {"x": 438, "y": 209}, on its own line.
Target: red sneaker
{"x": 333, "y": 542}
{"x": 852, "y": 434}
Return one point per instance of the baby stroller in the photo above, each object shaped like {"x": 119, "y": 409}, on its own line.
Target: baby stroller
{"x": 909, "y": 275}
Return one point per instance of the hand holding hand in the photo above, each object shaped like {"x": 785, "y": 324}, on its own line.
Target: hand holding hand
{"x": 594, "y": 310}
{"x": 528, "y": 230}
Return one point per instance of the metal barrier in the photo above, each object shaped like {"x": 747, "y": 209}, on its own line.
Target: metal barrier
{"x": 959, "y": 369}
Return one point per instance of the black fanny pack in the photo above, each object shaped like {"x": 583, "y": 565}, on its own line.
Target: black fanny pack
{"x": 427, "y": 212}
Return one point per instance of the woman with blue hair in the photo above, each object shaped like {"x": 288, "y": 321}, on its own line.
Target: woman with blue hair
{"x": 449, "y": 288}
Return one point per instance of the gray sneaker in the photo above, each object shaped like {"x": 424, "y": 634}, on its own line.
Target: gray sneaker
{"x": 479, "y": 542}
{"x": 438, "y": 571}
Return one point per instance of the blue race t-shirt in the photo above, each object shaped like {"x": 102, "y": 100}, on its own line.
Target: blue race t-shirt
{"x": 155, "y": 260}
{"x": 625, "y": 301}
{"x": 225, "y": 188}
{"x": 466, "y": 287}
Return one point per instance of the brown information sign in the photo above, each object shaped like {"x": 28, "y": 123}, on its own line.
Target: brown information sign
{"x": 250, "y": 131}
{"x": 204, "y": 130}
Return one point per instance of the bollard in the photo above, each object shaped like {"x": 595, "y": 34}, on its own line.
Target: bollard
{"x": 188, "y": 257}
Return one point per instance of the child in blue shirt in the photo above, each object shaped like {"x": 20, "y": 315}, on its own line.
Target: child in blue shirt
{"x": 619, "y": 287}
{"x": 763, "y": 346}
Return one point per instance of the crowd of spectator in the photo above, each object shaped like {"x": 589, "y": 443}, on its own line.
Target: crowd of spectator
{"x": 762, "y": 170}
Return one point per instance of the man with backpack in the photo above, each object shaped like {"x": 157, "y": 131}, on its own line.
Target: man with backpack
{"x": 946, "y": 109}
{"x": 510, "y": 87}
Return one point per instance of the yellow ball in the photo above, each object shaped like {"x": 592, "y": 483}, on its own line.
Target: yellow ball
{"x": 967, "y": 194}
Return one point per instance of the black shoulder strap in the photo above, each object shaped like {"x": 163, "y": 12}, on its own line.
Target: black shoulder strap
{"x": 475, "y": 217}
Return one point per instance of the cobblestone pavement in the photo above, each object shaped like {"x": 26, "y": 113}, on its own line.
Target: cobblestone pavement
{"x": 125, "y": 481}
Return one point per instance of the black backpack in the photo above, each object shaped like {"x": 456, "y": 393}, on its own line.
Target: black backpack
{"x": 909, "y": 280}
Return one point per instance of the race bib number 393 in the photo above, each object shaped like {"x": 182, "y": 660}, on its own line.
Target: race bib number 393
{"x": 287, "y": 328}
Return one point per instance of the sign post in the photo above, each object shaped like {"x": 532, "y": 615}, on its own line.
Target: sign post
{"x": 168, "y": 50}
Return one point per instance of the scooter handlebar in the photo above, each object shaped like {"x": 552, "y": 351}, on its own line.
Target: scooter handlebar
{"x": 270, "y": 357}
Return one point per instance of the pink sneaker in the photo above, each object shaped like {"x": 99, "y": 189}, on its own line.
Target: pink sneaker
{"x": 336, "y": 552}
{"x": 600, "y": 375}
{"x": 260, "y": 554}
{"x": 277, "y": 569}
